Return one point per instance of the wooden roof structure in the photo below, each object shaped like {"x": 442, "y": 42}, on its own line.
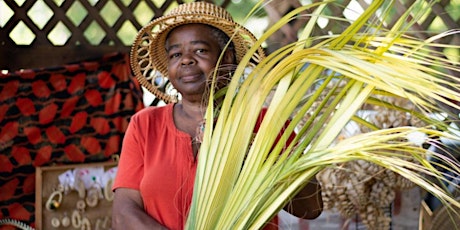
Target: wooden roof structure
{"x": 54, "y": 32}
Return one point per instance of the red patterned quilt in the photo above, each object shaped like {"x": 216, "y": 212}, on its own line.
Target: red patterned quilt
{"x": 69, "y": 114}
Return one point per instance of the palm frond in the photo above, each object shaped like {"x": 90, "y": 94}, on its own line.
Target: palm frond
{"x": 244, "y": 178}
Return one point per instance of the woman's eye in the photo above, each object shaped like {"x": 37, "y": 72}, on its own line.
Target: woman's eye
{"x": 200, "y": 51}
{"x": 174, "y": 55}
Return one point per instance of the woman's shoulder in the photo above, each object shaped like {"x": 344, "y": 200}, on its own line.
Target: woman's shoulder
{"x": 155, "y": 111}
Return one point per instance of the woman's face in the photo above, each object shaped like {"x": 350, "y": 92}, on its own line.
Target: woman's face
{"x": 192, "y": 55}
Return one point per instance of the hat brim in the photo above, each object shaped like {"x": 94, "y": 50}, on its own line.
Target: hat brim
{"x": 148, "y": 54}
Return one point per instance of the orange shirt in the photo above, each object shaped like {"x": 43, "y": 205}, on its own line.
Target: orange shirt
{"x": 157, "y": 159}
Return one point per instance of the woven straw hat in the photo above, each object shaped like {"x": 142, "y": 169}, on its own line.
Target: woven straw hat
{"x": 148, "y": 55}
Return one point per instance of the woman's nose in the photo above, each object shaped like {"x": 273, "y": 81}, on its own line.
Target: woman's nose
{"x": 187, "y": 59}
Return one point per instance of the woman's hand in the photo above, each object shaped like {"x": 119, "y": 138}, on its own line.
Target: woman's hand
{"x": 308, "y": 203}
{"x": 128, "y": 211}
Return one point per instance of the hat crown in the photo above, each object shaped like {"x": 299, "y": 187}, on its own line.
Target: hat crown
{"x": 203, "y": 8}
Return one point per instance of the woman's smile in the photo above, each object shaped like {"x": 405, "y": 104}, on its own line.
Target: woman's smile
{"x": 190, "y": 78}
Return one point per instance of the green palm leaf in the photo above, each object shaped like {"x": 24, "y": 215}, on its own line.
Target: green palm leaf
{"x": 243, "y": 179}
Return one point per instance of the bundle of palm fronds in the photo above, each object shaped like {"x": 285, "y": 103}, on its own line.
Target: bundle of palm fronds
{"x": 243, "y": 179}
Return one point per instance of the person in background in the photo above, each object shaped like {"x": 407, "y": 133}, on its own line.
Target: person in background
{"x": 154, "y": 184}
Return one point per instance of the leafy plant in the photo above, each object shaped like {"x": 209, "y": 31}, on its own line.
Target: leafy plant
{"x": 318, "y": 85}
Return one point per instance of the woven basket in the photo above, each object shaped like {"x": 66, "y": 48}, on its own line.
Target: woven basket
{"x": 446, "y": 218}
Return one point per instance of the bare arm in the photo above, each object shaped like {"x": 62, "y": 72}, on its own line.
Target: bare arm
{"x": 308, "y": 203}
{"x": 128, "y": 211}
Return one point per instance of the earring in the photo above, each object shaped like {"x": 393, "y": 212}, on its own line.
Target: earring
{"x": 55, "y": 222}
{"x": 65, "y": 221}
{"x": 108, "y": 193}
{"x": 53, "y": 204}
{"x": 92, "y": 197}
{"x": 76, "y": 219}
{"x": 81, "y": 205}
{"x": 85, "y": 224}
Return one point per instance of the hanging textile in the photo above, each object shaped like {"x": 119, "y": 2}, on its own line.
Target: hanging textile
{"x": 62, "y": 115}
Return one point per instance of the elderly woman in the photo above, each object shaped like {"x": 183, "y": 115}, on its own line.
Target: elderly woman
{"x": 154, "y": 185}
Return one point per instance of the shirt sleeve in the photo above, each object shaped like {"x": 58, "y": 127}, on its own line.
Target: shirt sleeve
{"x": 131, "y": 164}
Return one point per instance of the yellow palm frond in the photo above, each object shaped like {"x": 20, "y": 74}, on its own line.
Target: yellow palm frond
{"x": 243, "y": 179}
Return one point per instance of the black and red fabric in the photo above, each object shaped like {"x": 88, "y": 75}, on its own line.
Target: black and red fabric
{"x": 76, "y": 113}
